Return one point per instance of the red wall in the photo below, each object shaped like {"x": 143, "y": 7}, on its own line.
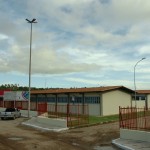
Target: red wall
{"x": 2, "y": 92}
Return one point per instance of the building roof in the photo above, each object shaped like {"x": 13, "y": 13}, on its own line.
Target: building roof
{"x": 81, "y": 90}
{"x": 143, "y": 91}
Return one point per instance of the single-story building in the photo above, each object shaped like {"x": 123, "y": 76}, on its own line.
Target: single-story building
{"x": 1, "y": 96}
{"x": 101, "y": 100}
{"x": 143, "y": 98}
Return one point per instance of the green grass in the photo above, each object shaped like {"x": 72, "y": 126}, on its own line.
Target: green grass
{"x": 94, "y": 119}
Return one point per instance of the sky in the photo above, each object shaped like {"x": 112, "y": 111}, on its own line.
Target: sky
{"x": 75, "y": 43}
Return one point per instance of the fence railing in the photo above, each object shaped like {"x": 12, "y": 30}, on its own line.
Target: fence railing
{"x": 134, "y": 118}
{"x": 75, "y": 114}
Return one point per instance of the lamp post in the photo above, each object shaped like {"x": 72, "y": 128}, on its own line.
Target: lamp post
{"x": 134, "y": 79}
{"x": 32, "y": 21}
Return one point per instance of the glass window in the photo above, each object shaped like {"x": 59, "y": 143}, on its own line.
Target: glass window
{"x": 76, "y": 99}
{"x": 51, "y": 99}
{"x": 33, "y": 99}
{"x": 139, "y": 97}
{"x": 62, "y": 99}
{"x": 41, "y": 99}
{"x": 92, "y": 99}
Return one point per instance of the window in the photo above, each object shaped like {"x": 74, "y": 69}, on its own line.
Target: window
{"x": 62, "y": 99}
{"x": 41, "y": 99}
{"x": 92, "y": 99}
{"x": 33, "y": 99}
{"x": 51, "y": 99}
{"x": 139, "y": 97}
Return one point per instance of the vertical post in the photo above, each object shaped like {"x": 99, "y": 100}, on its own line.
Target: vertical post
{"x": 83, "y": 104}
{"x": 56, "y": 104}
{"x": 33, "y": 21}
{"x": 68, "y": 115}
{"x": 134, "y": 81}
{"x": 119, "y": 117}
{"x": 30, "y": 73}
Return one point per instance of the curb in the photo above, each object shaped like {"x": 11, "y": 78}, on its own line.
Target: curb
{"x": 47, "y": 129}
{"x": 121, "y": 145}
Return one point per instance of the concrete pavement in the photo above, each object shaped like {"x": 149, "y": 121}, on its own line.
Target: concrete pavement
{"x": 131, "y": 144}
{"x": 36, "y": 123}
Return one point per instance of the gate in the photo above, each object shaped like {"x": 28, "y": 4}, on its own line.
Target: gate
{"x": 75, "y": 114}
{"x": 134, "y": 118}
{"x": 42, "y": 108}
{"x": 9, "y": 104}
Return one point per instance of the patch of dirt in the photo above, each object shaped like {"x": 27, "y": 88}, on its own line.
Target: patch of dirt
{"x": 15, "y": 136}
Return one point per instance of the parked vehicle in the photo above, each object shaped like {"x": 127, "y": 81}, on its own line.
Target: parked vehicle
{"x": 10, "y": 113}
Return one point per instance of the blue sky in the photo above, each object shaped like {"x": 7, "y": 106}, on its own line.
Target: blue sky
{"x": 86, "y": 43}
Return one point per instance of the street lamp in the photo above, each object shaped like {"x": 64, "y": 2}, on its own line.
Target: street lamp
{"x": 32, "y": 21}
{"x": 134, "y": 79}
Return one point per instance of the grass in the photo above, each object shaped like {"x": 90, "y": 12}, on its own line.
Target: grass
{"x": 94, "y": 119}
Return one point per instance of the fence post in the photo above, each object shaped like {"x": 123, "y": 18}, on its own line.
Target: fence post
{"x": 119, "y": 117}
{"x": 67, "y": 115}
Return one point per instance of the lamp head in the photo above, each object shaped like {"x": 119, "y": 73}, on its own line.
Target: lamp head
{"x": 33, "y": 20}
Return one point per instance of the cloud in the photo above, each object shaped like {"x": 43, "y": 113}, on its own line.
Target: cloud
{"x": 75, "y": 36}
{"x": 144, "y": 50}
{"x": 43, "y": 61}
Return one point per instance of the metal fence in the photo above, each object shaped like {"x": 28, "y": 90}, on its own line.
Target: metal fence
{"x": 75, "y": 114}
{"x": 1, "y": 103}
{"x": 134, "y": 118}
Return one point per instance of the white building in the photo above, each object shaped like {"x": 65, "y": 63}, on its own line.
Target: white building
{"x": 101, "y": 100}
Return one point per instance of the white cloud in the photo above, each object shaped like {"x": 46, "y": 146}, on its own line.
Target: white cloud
{"x": 144, "y": 50}
{"x": 75, "y": 36}
{"x": 3, "y": 37}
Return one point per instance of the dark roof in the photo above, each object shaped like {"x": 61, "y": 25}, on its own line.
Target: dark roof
{"x": 143, "y": 91}
{"x": 81, "y": 90}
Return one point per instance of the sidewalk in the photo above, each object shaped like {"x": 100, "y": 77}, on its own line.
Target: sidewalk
{"x": 33, "y": 122}
{"x": 131, "y": 145}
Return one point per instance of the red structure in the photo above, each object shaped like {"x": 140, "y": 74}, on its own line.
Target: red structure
{"x": 134, "y": 118}
{"x": 1, "y": 97}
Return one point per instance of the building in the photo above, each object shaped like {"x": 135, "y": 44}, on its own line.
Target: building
{"x": 143, "y": 98}
{"x": 101, "y": 100}
{"x": 1, "y": 96}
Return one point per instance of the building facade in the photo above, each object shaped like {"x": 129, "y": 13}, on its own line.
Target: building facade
{"x": 143, "y": 98}
{"x": 101, "y": 100}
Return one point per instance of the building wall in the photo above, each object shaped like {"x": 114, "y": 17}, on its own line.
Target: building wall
{"x": 107, "y": 104}
{"x": 148, "y": 100}
{"x": 139, "y": 103}
{"x": 92, "y": 99}
{"x": 94, "y": 108}
{"x": 112, "y": 100}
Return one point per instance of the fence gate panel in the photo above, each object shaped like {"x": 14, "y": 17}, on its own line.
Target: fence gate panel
{"x": 134, "y": 118}
{"x": 42, "y": 108}
{"x": 77, "y": 115}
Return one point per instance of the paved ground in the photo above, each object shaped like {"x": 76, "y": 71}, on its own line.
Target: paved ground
{"x": 15, "y": 136}
{"x": 131, "y": 145}
{"x": 120, "y": 143}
